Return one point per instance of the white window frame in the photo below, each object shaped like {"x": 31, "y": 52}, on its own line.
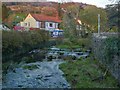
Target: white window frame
{"x": 50, "y": 25}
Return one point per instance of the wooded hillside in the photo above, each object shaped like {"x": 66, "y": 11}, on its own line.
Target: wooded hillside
{"x": 86, "y": 13}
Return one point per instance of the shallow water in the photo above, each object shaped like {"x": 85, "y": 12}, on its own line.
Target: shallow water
{"x": 47, "y": 75}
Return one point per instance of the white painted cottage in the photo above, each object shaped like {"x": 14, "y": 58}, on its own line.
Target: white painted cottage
{"x": 41, "y": 21}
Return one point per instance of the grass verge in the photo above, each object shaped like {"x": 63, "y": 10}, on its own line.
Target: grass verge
{"x": 80, "y": 74}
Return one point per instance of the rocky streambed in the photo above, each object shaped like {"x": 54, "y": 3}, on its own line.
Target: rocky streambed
{"x": 44, "y": 74}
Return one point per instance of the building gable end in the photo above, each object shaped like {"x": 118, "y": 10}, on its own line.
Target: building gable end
{"x": 30, "y": 17}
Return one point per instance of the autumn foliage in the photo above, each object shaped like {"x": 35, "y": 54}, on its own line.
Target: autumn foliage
{"x": 50, "y": 11}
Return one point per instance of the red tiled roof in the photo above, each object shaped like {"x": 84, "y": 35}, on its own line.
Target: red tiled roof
{"x": 40, "y": 17}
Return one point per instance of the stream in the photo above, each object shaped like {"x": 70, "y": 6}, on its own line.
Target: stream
{"x": 42, "y": 74}
{"x": 46, "y": 75}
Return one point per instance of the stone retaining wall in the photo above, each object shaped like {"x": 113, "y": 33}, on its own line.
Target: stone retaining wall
{"x": 99, "y": 52}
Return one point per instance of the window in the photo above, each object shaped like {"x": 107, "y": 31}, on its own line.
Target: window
{"x": 25, "y": 24}
{"x": 28, "y": 23}
{"x": 51, "y": 25}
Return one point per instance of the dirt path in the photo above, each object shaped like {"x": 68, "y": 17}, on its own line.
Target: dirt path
{"x": 48, "y": 75}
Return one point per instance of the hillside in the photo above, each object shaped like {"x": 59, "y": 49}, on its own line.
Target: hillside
{"x": 81, "y": 11}
{"x": 36, "y": 6}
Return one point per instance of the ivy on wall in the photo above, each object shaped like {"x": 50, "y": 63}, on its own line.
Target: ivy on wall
{"x": 111, "y": 49}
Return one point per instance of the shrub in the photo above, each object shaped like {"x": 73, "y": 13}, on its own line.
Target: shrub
{"x": 16, "y": 42}
{"x": 28, "y": 59}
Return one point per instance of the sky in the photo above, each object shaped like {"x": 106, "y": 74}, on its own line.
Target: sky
{"x": 98, "y": 3}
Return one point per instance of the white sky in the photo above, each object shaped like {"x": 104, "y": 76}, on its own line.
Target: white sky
{"x": 98, "y": 3}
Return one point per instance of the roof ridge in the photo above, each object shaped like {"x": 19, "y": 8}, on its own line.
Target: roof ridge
{"x": 42, "y": 17}
{"x": 42, "y": 14}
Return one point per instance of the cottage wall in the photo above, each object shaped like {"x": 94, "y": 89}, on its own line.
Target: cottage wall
{"x": 38, "y": 24}
{"x": 29, "y": 22}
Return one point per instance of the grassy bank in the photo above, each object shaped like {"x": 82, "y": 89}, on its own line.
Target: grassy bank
{"x": 85, "y": 73}
{"x": 83, "y": 43}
